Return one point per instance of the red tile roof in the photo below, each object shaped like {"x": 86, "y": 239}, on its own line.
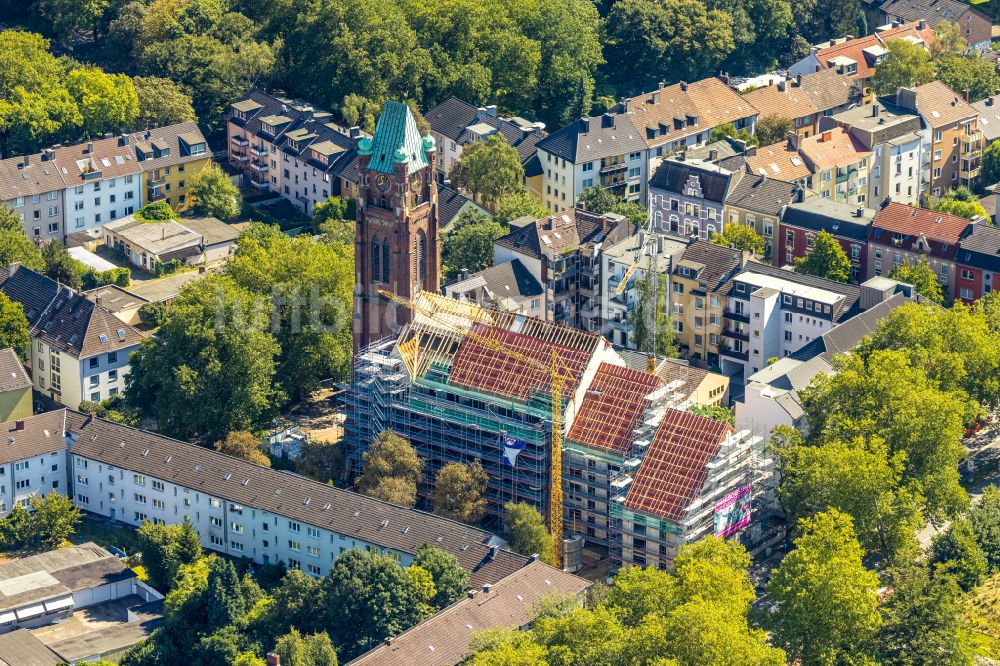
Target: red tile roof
{"x": 611, "y": 407}
{"x": 478, "y": 366}
{"x": 938, "y": 229}
{"x": 854, "y": 48}
{"x": 832, "y": 149}
{"x": 673, "y": 471}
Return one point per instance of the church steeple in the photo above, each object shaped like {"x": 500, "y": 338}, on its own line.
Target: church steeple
{"x": 396, "y": 246}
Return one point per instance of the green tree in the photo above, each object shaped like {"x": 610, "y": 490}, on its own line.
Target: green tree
{"x": 214, "y": 194}
{"x": 310, "y": 289}
{"x": 165, "y": 548}
{"x": 13, "y": 326}
{"x": 423, "y": 586}
{"x": 66, "y": 16}
{"x": 368, "y": 598}
{"x": 885, "y": 396}
{"x": 210, "y": 370}
{"x": 390, "y": 464}
{"x": 320, "y": 461}
{"x": 985, "y": 520}
{"x": 826, "y": 260}
{"x": 333, "y": 210}
{"x": 54, "y": 518}
{"x": 923, "y": 622}
{"x": 313, "y": 650}
{"x": 158, "y": 211}
{"x": 717, "y": 412}
{"x": 729, "y": 130}
{"x": 519, "y": 204}
{"x": 526, "y": 531}
{"x": 358, "y": 111}
{"x": 960, "y": 202}
{"x": 639, "y": 316}
{"x": 861, "y": 479}
{"x": 14, "y": 245}
{"x": 451, "y": 581}
{"x": 956, "y": 552}
{"x": 16, "y": 529}
{"x": 153, "y": 314}
{"x": 490, "y": 169}
{"x": 60, "y": 266}
{"x": 773, "y": 129}
{"x": 469, "y": 245}
{"x": 107, "y": 102}
{"x": 947, "y": 39}
{"x": 826, "y": 601}
{"x": 905, "y": 65}
{"x": 161, "y": 102}
{"x": 597, "y": 200}
{"x": 922, "y": 277}
{"x": 971, "y": 73}
{"x": 459, "y": 490}
{"x": 741, "y": 237}
{"x": 991, "y": 162}
{"x": 245, "y": 445}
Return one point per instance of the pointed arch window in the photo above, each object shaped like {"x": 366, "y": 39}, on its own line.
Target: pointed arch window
{"x": 376, "y": 254}
{"x": 385, "y": 261}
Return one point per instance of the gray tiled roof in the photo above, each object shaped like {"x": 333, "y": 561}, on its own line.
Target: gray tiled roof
{"x": 761, "y": 194}
{"x": 594, "y": 138}
{"x": 673, "y": 176}
{"x": 39, "y": 434}
{"x": 451, "y": 117}
{"x": 835, "y": 217}
{"x": 981, "y": 248}
{"x": 450, "y": 203}
{"x": 847, "y": 335}
{"x": 289, "y": 495}
{"x": 720, "y": 262}
{"x": 12, "y": 373}
{"x": 935, "y": 11}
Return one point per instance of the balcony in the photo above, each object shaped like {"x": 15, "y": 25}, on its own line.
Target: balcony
{"x": 258, "y": 151}
{"x": 240, "y": 141}
{"x": 736, "y": 335}
{"x": 732, "y": 353}
{"x": 734, "y": 316}
{"x": 156, "y": 182}
{"x": 258, "y": 167}
{"x": 156, "y": 195}
{"x": 622, "y": 325}
{"x": 239, "y": 158}
{"x": 614, "y": 168}
{"x": 262, "y": 186}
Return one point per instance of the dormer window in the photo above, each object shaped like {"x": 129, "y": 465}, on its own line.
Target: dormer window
{"x": 264, "y": 127}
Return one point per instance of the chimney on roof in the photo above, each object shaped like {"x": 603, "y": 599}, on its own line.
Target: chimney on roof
{"x": 782, "y": 85}
{"x": 624, "y": 105}
{"x": 48, "y": 154}
{"x": 655, "y": 97}
{"x": 494, "y": 549}
{"x": 661, "y": 84}
{"x": 273, "y": 659}
{"x": 965, "y": 95}
{"x": 875, "y": 110}
{"x": 684, "y": 86}
{"x": 123, "y": 140}
{"x": 486, "y": 588}
{"x": 19, "y": 424}
{"x": 751, "y": 151}
{"x": 793, "y": 141}
{"x": 799, "y": 194}
{"x": 713, "y": 154}
{"x": 584, "y": 125}
{"x": 859, "y": 212}
{"x": 827, "y": 136}
{"x": 90, "y": 148}
{"x": 798, "y": 80}
{"x": 12, "y": 267}
{"x": 922, "y": 24}
{"x": 25, "y": 162}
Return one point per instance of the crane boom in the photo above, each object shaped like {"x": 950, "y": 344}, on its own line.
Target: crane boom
{"x": 560, "y": 377}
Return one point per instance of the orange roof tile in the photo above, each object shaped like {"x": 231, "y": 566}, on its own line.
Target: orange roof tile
{"x": 778, "y": 160}
{"x": 940, "y": 105}
{"x": 854, "y": 48}
{"x": 612, "y": 406}
{"x": 803, "y": 96}
{"x": 897, "y": 218}
{"x": 833, "y": 148}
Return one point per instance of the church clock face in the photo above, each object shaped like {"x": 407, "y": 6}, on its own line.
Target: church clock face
{"x": 382, "y": 182}
{"x": 415, "y": 183}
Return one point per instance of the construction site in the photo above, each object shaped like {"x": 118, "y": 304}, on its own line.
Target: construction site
{"x": 610, "y": 454}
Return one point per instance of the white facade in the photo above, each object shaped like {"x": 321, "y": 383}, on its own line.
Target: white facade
{"x": 303, "y": 184}
{"x": 92, "y": 378}
{"x": 35, "y": 475}
{"x": 92, "y": 203}
{"x": 900, "y": 169}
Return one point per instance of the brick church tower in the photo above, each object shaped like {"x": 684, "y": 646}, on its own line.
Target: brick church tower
{"x": 396, "y": 246}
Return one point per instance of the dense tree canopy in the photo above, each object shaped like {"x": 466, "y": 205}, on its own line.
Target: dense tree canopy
{"x": 214, "y": 194}
{"x": 526, "y": 531}
{"x": 243, "y": 444}
{"x": 165, "y": 548}
{"x": 826, "y": 259}
{"x": 459, "y": 492}
{"x": 922, "y": 277}
{"x": 392, "y": 470}
{"x": 740, "y": 237}
{"x": 905, "y": 65}
{"x": 469, "y": 243}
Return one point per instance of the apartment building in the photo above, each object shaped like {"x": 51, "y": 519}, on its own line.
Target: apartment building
{"x": 782, "y": 161}
{"x": 91, "y": 183}
{"x": 975, "y": 27}
{"x": 562, "y": 252}
{"x": 956, "y": 142}
{"x": 772, "y": 312}
{"x": 33, "y": 461}
{"x": 771, "y": 397}
{"x": 15, "y": 389}
{"x": 802, "y": 220}
{"x": 839, "y": 164}
{"x": 805, "y": 99}
{"x": 978, "y": 263}
{"x": 900, "y": 149}
{"x": 456, "y": 124}
{"x": 508, "y": 286}
{"x": 905, "y": 235}
{"x": 79, "y": 350}
{"x": 629, "y": 261}
{"x": 859, "y": 57}
{"x": 621, "y": 148}
{"x": 287, "y": 147}
{"x": 757, "y": 201}
{"x": 688, "y": 197}
{"x": 697, "y": 299}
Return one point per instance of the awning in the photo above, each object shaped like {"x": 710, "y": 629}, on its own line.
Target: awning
{"x": 29, "y": 612}
{"x": 7, "y": 617}
{"x": 58, "y": 604}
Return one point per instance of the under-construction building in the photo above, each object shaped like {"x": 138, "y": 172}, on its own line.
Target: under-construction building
{"x": 640, "y": 473}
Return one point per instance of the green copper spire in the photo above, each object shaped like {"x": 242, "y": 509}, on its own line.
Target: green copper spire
{"x": 396, "y": 140}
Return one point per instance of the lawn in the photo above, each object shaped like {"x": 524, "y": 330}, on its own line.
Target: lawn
{"x": 982, "y": 618}
{"x": 107, "y": 534}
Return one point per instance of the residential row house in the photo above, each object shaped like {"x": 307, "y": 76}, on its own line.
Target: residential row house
{"x": 858, "y": 58}
{"x": 79, "y": 350}
{"x": 289, "y": 148}
{"x": 456, "y": 124}
{"x": 900, "y": 147}
{"x": 802, "y": 221}
{"x": 75, "y": 189}
{"x": 620, "y": 149}
{"x": 687, "y": 198}
{"x": 805, "y": 99}
{"x": 974, "y": 26}
{"x": 978, "y": 263}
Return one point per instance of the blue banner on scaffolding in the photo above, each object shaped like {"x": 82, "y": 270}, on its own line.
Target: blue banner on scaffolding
{"x": 511, "y": 447}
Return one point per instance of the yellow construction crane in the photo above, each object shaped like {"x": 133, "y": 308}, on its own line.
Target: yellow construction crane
{"x": 561, "y": 377}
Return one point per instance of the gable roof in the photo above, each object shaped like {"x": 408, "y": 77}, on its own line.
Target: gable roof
{"x": 854, "y": 49}
{"x": 453, "y": 116}
{"x": 64, "y": 319}
{"x": 936, "y": 103}
{"x": 981, "y": 248}
{"x": 12, "y": 374}
{"x": 551, "y": 236}
{"x": 450, "y": 204}
{"x": 396, "y": 139}
{"x": 285, "y": 494}
{"x": 674, "y": 175}
{"x": 779, "y": 160}
{"x": 804, "y": 95}
{"x": 833, "y": 148}
{"x": 507, "y": 280}
{"x": 939, "y": 229}
{"x": 989, "y": 117}
{"x": 762, "y": 194}
{"x": 611, "y": 407}
{"x": 590, "y": 139}
{"x": 934, "y": 11}
{"x": 848, "y": 334}
{"x": 718, "y": 263}
{"x": 444, "y": 638}
{"x": 38, "y": 434}
{"x": 673, "y": 471}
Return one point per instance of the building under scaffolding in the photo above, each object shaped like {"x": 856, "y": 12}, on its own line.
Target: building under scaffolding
{"x": 641, "y": 474}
